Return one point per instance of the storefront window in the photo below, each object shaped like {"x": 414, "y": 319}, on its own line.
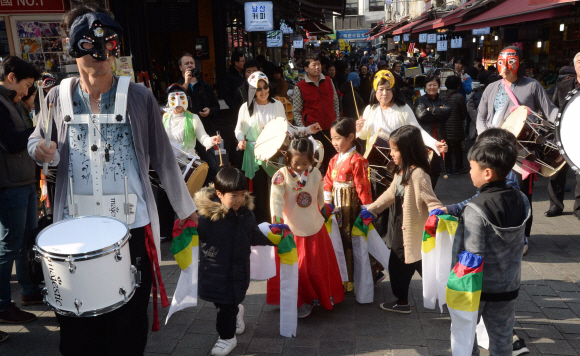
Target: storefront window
{"x": 351, "y": 7}
{"x": 42, "y": 44}
{"x": 237, "y": 38}
{"x": 376, "y": 5}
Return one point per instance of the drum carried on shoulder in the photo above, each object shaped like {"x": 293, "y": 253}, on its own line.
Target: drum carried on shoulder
{"x": 274, "y": 141}
{"x": 536, "y": 141}
{"x": 567, "y": 128}
{"x": 89, "y": 273}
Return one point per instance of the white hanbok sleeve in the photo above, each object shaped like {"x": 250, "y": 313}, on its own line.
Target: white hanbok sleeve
{"x": 412, "y": 120}
{"x": 200, "y": 133}
{"x": 364, "y": 133}
{"x": 243, "y": 124}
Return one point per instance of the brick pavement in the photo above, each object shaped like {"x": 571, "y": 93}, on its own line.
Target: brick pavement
{"x": 547, "y": 312}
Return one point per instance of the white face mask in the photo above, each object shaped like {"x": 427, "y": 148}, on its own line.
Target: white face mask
{"x": 176, "y": 99}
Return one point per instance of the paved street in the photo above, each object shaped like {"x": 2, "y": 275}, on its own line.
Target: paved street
{"x": 548, "y": 308}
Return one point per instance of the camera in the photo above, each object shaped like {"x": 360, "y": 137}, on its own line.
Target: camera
{"x": 195, "y": 73}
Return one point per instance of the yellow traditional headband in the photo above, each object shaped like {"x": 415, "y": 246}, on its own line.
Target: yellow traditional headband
{"x": 383, "y": 74}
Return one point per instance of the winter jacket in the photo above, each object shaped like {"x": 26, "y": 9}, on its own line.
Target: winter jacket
{"x": 435, "y": 115}
{"x": 225, "y": 239}
{"x": 458, "y": 112}
{"x": 562, "y": 90}
{"x": 233, "y": 81}
{"x": 349, "y": 109}
{"x": 365, "y": 88}
{"x": 201, "y": 95}
{"x": 492, "y": 226}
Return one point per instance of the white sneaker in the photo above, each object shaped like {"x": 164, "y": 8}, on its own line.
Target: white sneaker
{"x": 223, "y": 347}
{"x": 304, "y": 310}
{"x": 240, "y": 325}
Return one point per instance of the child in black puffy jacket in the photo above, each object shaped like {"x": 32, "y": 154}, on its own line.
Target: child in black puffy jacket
{"x": 227, "y": 229}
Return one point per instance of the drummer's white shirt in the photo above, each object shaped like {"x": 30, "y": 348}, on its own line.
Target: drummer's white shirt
{"x": 389, "y": 120}
{"x": 122, "y": 162}
{"x": 176, "y": 132}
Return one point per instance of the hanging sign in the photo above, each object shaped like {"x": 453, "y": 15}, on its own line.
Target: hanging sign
{"x": 274, "y": 39}
{"x": 30, "y": 6}
{"x": 397, "y": 38}
{"x": 287, "y": 30}
{"x": 406, "y": 37}
{"x": 423, "y": 38}
{"x": 441, "y": 46}
{"x": 201, "y": 48}
{"x": 457, "y": 42}
{"x": 259, "y": 16}
{"x": 432, "y": 38}
{"x": 480, "y": 31}
{"x": 297, "y": 41}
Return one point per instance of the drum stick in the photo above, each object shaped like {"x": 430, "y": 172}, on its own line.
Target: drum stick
{"x": 445, "y": 176}
{"x": 355, "y": 104}
{"x": 220, "y": 151}
{"x": 47, "y": 136}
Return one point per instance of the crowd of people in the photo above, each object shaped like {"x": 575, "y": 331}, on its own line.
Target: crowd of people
{"x": 335, "y": 107}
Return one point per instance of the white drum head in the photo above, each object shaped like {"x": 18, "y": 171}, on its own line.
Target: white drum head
{"x": 81, "y": 235}
{"x": 567, "y": 132}
{"x": 271, "y": 138}
{"x": 515, "y": 122}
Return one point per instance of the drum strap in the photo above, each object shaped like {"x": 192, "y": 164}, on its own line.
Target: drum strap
{"x": 155, "y": 272}
{"x": 511, "y": 95}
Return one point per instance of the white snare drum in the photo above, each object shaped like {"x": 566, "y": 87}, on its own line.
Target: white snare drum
{"x": 87, "y": 265}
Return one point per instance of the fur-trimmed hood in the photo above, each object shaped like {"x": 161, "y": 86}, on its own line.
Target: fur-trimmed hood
{"x": 209, "y": 205}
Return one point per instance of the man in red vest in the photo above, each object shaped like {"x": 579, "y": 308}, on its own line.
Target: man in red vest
{"x": 315, "y": 100}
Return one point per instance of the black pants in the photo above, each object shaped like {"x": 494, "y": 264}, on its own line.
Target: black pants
{"x": 165, "y": 211}
{"x": 526, "y": 189}
{"x": 226, "y": 320}
{"x": 556, "y": 191}
{"x": 207, "y": 156}
{"x": 456, "y": 151}
{"x": 261, "y": 185}
{"x": 329, "y": 150}
{"x": 120, "y": 332}
{"x": 401, "y": 274}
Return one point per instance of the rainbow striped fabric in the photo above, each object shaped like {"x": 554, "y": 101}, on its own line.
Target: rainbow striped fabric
{"x": 334, "y": 232}
{"x": 463, "y": 297}
{"x": 185, "y": 249}
{"x": 464, "y": 284}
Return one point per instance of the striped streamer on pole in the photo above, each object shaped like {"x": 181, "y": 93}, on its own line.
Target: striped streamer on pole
{"x": 365, "y": 240}
{"x": 334, "y": 233}
{"x": 185, "y": 249}
{"x": 463, "y": 296}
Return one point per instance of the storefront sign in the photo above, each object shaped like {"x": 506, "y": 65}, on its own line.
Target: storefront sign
{"x": 423, "y": 38}
{"x": 352, "y": 34}
{"x": 441, "y": 46}
{"x": 201, "y": 47}
{"x": 287, "y": 30}
{"x": 297, "y": 41}
{"x": 432, "y": 38}
{"x": 480, "y": 31}
{"x": 25, "y": 6}
{"x": 397, "y": 38}
{"x": 406, "y": 37}
{"x": 259, "y": 16}
{"x": 274, "y": 39}
{"x": 457, "y": 42}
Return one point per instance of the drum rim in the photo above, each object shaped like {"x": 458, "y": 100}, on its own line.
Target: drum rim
{"x": 561, "y": 149}
{"x": 89, "y": 255}
{"x": 95, "y": 312}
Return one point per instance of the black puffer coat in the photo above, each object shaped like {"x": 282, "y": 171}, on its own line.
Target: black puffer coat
{"x": 435, "y": 115}
{"x": 458, "y": 107}
{"x": 225, "y": 239}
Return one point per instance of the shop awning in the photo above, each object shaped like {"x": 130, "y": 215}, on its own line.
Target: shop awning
{"x": 408, "y": 27}
{"x": 457, "y": 15}
{"x": 375, "y": 29}
{"x": 425, "y": 26}
{"x": 513, "y": 11}
{"x": 543, "y": 2}
{"x": 388, "y": 28}
{"x": 315, "y": 28}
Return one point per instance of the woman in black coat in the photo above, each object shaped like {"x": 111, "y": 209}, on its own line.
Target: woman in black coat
{"x": 454, "y": 129}
{"x": 365, "y": 87}
{"x": 431, "y": 112}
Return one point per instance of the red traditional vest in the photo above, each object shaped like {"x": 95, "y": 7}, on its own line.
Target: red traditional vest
{"x": 318, "y": 103}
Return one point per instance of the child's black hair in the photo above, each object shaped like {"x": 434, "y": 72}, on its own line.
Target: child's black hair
{"x": 300, "y": 145}
{"x": 410, "y": 143}
{"x": 229, "y": 180}
{"x": 498, "y": 132}
{"x": 495, "y": 153}
{"x": 344, "y": 127}
{"x": 453, "y": 82}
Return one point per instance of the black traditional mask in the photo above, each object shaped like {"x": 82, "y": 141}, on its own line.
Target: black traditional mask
{"x": 95, "y": 34}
